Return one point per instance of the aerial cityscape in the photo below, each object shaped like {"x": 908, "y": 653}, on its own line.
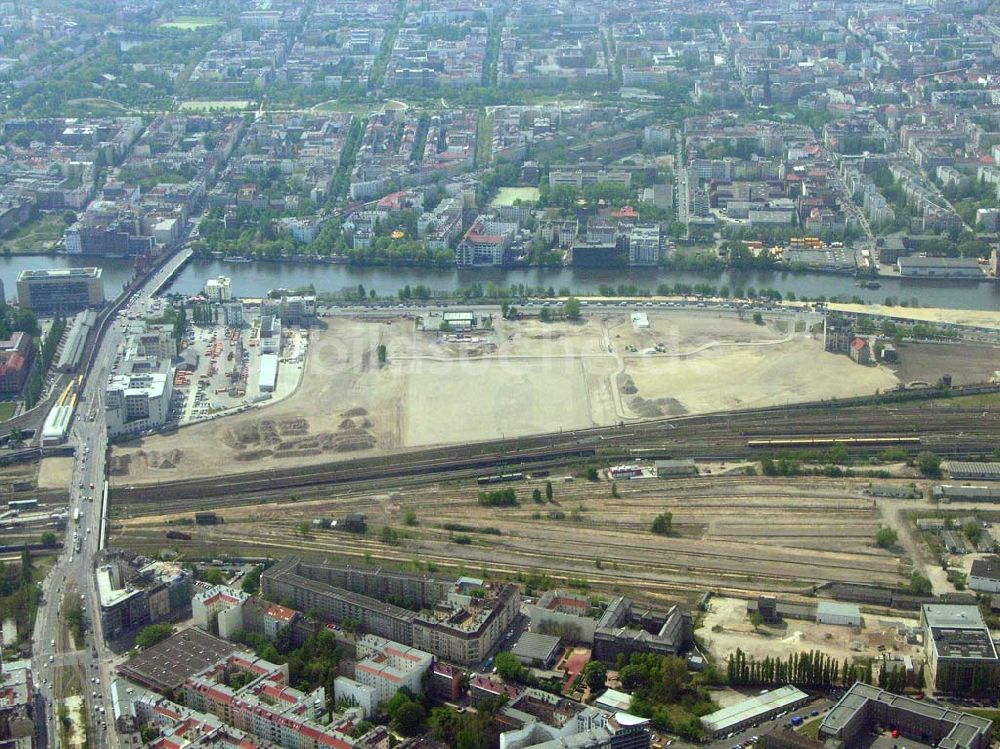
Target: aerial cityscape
{"x": 499, "y": 374}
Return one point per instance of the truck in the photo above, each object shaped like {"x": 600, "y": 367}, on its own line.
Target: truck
{"x": 76, "y": 515}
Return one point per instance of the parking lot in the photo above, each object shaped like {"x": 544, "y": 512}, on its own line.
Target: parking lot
{"x": 744, "y": 739}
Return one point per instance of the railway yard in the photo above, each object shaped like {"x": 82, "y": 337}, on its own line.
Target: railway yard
{"x": 737, "y": 533}
{"x": 732, "y": 533}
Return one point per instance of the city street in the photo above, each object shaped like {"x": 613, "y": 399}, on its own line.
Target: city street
{"x": 73, "y": 571}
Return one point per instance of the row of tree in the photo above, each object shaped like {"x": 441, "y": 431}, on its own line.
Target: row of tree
{"x": 811, "y": 668}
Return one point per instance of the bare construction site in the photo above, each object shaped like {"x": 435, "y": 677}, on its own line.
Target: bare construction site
{"x": 516, "y": 378}
{"x": 734, "y": 534}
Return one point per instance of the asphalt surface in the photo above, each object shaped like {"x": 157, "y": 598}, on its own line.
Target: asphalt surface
{"x": 73, "y": 571}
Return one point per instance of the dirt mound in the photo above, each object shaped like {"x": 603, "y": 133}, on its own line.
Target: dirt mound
{"x": 651, "y": 408}
{"x": 626, "y": 385}
{"x": 348, "y": 424}
{"x": 355, "y": 412}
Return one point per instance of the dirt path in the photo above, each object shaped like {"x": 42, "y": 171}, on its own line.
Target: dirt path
{"x": 892, "y": 513}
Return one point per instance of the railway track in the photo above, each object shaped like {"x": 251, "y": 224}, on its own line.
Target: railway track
{"x": 951, "y": 431}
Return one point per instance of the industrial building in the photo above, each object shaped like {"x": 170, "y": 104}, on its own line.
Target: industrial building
{"x": 839, "y": 614}
{"x": 946, "y": 493}
{"x": 746, "y": 713}
{"x": 60, "y": 290}
{"x": 850, "y": 722}
{"x": 961, "y": 656}
{"x": 984, "y": 577}
{"x": 939, "y": 267}
{"x": 973, "y": 471}
{"x": 463, "y": 627}
{"x": 165, "y": 667}
{"x": 268, "y": 373}
{"x": 76, "y": 338}
{"x": 672, "y": 468}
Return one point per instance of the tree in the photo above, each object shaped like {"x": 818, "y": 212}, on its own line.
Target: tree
{"x": 572, "y": 308}
{"x": 409, "y": 719}
{"x": 510, "y": 668}
{"x": 920, "y": 585}
{"x": 410, "y": 518}
{"x": 548, "y": 491}
{"x": 153, "y": 634}
{"x": 591, "y": 474}
{"x": 929, "y": 464}
{"x": 304, "y": 527}
{"x": 381, "y": 351}
{"x": 536, "y": 496}
{"x": 972, "y": 531}
{"x": 886, "y": 537}
{"x": 757, "y": 620}
{"x": 758, "y": 318}
{"x": 595, "y": 674}
{"x": 545, "y": 315}
{"x": 662, "y": 523}
{"x": 48, "y": 538}
{"x": 614, "y": 491}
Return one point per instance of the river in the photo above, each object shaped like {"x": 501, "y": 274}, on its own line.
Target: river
{"x": 256, "y": 278}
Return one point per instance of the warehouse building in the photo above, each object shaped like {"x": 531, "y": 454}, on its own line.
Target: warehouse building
{"x": 961, "y": 656}
{"x": 60, "y": 290}
{"x": 973, "y": 471}
{"x": 754, "y": 710}
{"x": 839, "y": 614}
{"x": 939, "y": 267}
{"x": 864, "y": 707}
{"x": 984, "y": 577}
{"x": 268, "y": 373}
{"x": 946, "y": 493}
{"x": 670, "y": 468}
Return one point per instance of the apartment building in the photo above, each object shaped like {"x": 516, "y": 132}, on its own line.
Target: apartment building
{"x": 382, "y": 669}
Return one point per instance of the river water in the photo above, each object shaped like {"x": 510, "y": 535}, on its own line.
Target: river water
{"x": 256, "y": 278}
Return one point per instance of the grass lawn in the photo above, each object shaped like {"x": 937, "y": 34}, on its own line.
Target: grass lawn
{"x": 980, "y": 400}
{"x": 507, "y": 195}
{"x": 6, "y": 410}
{"x": 208, "y": 105}
{"x": 37, "y": 235}
{"x": 190, "y": 23}
{"x": 335, "y": 105}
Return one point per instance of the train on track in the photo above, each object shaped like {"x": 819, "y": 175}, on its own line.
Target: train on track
{"x": 499, "y": 478}
{"x": 178, "y": 535}
{"x": 831, "y": 441}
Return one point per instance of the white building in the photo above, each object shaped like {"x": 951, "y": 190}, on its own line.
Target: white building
{"x": 223, "y": 601}
{"x": 644, "y": 245}
{"x": 268, "y": 373}
{"x": 137, "y": 402}
{"x": 219, "y": 289}
{"x": 839, "y": 614}
{"x": 383, "y": 668}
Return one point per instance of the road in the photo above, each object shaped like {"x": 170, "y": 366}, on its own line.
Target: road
{"x": 73, "y": 571}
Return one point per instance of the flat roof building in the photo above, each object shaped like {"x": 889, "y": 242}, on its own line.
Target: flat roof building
{"x": 840, "y": 614}
{"x": 536, "y": 650}
{"x": 763, "y": 706}
{"x": 850, "y": 721}
{"x": 167, "y": 665}
{"x": 60, "y": 290}
{"x": 939, "y": 267}
{"x": 961, "y": 656}
{"x": 268, "y": 372}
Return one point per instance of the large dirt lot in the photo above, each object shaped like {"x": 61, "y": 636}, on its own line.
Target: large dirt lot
{"x": 734, "y": 534}
{"x": 928, "y": 362}
{"x": 523, "y": 377}
{"x": 726, "y": 627}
